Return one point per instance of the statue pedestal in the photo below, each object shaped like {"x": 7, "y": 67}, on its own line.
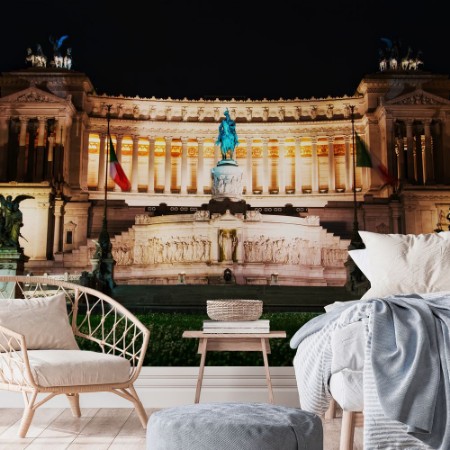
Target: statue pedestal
{"x": 227, "y": 181}
{"x": 12, "y": 262}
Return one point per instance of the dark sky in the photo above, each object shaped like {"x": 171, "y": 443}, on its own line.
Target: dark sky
{"x": 211, "y": 48}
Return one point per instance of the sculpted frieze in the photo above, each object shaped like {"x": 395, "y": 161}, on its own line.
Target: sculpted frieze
{"x": 33, "y": 97}
{"x": 418, "y": 97}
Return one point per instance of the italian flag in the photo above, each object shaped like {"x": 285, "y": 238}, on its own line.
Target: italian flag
{"x": 366, "y": 159}
{"x": 115, "y": 169}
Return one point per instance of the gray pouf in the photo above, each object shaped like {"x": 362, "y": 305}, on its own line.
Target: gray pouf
{"x": 234, "y": 426}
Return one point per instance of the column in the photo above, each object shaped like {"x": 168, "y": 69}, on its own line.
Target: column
{"x": 58, "y": 130}
{"x": 119, "y": 141}
{"x": 39, "y": 239}
{"x": 41, "y": 131}
{"x": 249, "y": 167}
{"x": 314, "y": 166}
{"x": 102, "y": 163}
{"x": 4, "y": 137}
{"x": 419, "y": 154}
{"x": 22, "y": 149}
{"x": 40, "y": 160}
{"x": 429, "y": 163}
{"x": 331, "y": 165}
{"x": 200, "y": 166}
{"x": 281, "y": 166}
{"x": 298, "y": 170}
{"x": 184, "y": 165}
{"x": 398, "y": 148}
{"x": 135, "y": 165}
{"x": 168, "y": 165}
{"x": 57, "y": 238}
{"x": 58, "y": 152}
{"x": 392, "y": 162}
{"x": 348, "y": 164}
{"x": 265, "y": 181}
{"x": 151, "y": 166}
{"x": 84, "y": 160}
{"x": 411, "y": 165}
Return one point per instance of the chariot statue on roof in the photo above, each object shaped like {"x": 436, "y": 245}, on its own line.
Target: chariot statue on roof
{"x": 58, "y": 58}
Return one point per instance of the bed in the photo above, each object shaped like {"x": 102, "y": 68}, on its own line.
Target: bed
{"x": 385, "y": 358}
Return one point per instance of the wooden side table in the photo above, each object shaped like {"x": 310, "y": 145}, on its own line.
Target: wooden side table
{"x": 219, "y": 342}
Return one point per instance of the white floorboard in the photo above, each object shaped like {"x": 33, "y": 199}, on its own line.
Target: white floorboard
{"x": 104, "y": 428}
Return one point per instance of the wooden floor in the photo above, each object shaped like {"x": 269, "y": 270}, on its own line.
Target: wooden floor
{"x": 98, "y": 429}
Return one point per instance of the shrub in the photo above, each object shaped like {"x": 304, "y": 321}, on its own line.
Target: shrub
{"x": 168, "y": 348}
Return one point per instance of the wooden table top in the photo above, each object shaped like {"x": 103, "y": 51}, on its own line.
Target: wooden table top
{"x": 201, "y": 334}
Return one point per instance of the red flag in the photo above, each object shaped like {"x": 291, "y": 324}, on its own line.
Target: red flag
{"x": 115, "y": 169}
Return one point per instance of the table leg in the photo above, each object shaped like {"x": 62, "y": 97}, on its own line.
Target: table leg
{"x": 264, "y": 343}
{"x": 202, "y": 351}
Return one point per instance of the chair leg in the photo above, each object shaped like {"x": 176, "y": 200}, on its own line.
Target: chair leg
{"x": 347, "y": 430}
{"x": 140, "y": 411}
{"x": 330, "y": 413}
{"x": 74, "y": 401}
{"x": 25, "y": 423}
{"x": 28, "y": 414}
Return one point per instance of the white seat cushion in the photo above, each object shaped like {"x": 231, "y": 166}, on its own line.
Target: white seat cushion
{"x": 75, "y": 367}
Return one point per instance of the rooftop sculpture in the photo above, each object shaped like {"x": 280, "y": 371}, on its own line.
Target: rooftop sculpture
{"x": 39, "y": 59}
{"x": 390, "y": 58}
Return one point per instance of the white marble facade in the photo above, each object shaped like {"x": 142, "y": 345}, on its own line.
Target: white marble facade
{"x": 297, "y": 249}
{"x": 53, "y": 146}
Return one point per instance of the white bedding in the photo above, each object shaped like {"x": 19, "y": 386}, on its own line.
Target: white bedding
{"x": 347, "y": 364}
{"x": 346, "y": 387}
{"x": 335, "y": 357}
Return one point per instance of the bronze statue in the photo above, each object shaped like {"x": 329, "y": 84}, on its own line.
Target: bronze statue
{"x": 227, "y": 139}
{"x": 11, "y": 220}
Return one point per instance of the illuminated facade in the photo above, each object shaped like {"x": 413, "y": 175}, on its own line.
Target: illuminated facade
{"x": 293, "y": 152}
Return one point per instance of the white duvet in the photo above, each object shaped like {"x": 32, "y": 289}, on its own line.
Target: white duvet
{"x": 335, "y": 358}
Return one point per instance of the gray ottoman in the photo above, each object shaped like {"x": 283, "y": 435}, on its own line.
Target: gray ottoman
{"x": 234, "y": 426}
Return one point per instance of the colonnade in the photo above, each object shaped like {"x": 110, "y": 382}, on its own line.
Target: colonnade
{"x": 281, "y": 165}
{"x": 416, "y": 151}
{"x": 33, "y": 148}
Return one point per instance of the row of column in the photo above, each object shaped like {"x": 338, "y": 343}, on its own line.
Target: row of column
{"x": 21, "y": 140}
{"x": 249, "y": 161}
{"x": 420, "y": 162}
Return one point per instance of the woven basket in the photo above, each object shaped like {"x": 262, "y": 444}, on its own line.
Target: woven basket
{"x": 234, "y": 310}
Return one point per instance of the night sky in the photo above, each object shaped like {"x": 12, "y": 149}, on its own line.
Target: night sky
{"x": 241, "y": 49}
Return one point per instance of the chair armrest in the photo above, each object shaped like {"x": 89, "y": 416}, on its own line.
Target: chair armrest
{"x": 117, "y": 331}
{"x": 14, "y": 363}
{"x": 94, "y": 316}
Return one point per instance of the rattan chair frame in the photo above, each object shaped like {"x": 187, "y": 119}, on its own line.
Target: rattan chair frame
{"x": 94, "y": 317}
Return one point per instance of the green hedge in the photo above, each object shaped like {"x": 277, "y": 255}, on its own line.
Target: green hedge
{"x": 168, "y": 348}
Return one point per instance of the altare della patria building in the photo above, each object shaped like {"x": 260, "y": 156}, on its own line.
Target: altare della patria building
{"x": 285, "y": 216}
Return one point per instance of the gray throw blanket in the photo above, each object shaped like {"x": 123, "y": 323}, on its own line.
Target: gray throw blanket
{"x": 409, "y": 357}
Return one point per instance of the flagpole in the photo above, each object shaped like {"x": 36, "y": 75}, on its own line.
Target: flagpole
{"x": 104, "y": 270}
{"x": 108, "y": 118}
{"x": 356, "y": 241}
{"x": 356, "y": 282}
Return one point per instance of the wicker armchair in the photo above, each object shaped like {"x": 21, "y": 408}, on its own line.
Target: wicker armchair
{"x": 112, "y": 354}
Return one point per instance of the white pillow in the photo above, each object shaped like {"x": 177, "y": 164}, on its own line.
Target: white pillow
{"x": 42, "y": 320}
{"x": 361, "y": 259}
{"x": 407, "y": 263}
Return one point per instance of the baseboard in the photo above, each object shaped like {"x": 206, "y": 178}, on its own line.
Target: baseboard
{"x": 161, "y": 387}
